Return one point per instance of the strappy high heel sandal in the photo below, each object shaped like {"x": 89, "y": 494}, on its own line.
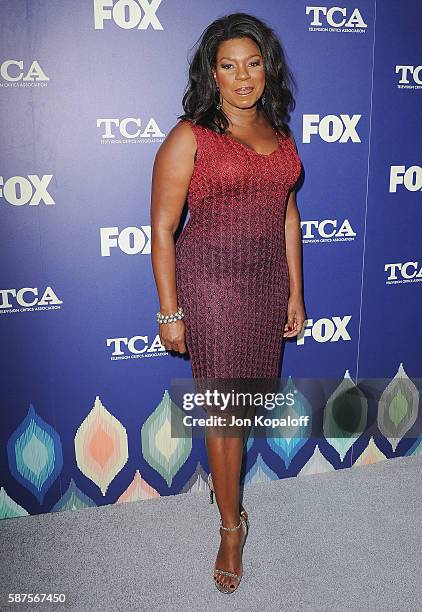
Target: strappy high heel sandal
{"x": 243, "y": 512}
{"x": 231, "y": 588}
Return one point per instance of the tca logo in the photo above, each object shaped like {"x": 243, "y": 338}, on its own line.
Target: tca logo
{"x": 137, "y": 346}
{"x": 336, "y": 17}
{"x": 19, "y": 190}
{"x": 325, "y": 330}
{"x": 13, "y": 70}
{"x": 151, "y": 130}
{"x": 409, "y": 271}
{"x": 408, "y": 73}
{"x": 411, "y": 178}
{"x": 331, "y": 128}
{"x": 131, "y": 240}
{"x": 48, "y": 298}
{"x": 326, "y": 229}
{"x": 127, "y": 14}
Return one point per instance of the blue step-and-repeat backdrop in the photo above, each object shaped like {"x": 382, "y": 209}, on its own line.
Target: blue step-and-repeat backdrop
{"x": 89, "y": 90}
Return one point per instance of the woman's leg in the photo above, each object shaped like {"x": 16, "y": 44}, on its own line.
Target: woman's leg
{"x": 225, "y": 456}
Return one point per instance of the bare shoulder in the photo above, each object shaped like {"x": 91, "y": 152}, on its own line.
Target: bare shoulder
{"x": 174, "y": 164}
{"x": 180, "y": 142}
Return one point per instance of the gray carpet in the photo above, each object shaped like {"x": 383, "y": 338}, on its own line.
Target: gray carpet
{"x": 344, "y": 540}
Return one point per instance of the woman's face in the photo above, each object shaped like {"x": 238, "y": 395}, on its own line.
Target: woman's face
{"x": 239, "y": 65}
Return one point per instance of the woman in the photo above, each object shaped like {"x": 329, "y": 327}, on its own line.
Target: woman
{"x": 233, "y": 281}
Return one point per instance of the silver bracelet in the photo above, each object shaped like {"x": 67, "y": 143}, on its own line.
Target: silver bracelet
{"x": 170, "y": 318}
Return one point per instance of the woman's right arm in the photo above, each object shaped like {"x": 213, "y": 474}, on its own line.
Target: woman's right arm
{"x": 172, "y": 171}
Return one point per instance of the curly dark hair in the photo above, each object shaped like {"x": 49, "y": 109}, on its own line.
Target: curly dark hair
{"x": 201, "y": 95}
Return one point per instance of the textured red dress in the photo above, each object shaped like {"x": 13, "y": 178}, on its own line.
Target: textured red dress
{"x": 231, "y": 269}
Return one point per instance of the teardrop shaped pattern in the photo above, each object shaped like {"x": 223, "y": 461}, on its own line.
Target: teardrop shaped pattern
{"x": 316, "y": 464}
{"x": 197, "y": 483}
{"x": 416, "y": 448}
{"x": 398, "y": 407}
{"x": 345, "y": 416}
{"x": 288, "y": 447}
{"x": 34, "y": 454}
{"x": 259, "y": 472}
{"x": 161, "y": 449}
{"x": 101, "y": 446}
{"x": 9, "y": 508}
{"x": 35, "y": 460}
{"x": 73, "y": 499}
{"x": 138, "y": 490}
{"x": 371, "y": 454}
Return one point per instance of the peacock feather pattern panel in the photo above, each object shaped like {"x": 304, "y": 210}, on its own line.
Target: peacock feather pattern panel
{"x": 107, "y": 464}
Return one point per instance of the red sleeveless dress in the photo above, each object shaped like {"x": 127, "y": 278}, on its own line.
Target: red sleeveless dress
{"x": 231, "y": 269}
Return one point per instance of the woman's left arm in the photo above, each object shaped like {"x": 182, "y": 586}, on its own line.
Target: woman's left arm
{"x": 296, "y": 311}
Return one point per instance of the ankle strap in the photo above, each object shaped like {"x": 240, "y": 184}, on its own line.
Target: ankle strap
{"x": 230, "y": 528}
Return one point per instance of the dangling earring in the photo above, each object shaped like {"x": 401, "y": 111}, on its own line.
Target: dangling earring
{"x": 263, "y": 99}
{"x": 219, "y": 104}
